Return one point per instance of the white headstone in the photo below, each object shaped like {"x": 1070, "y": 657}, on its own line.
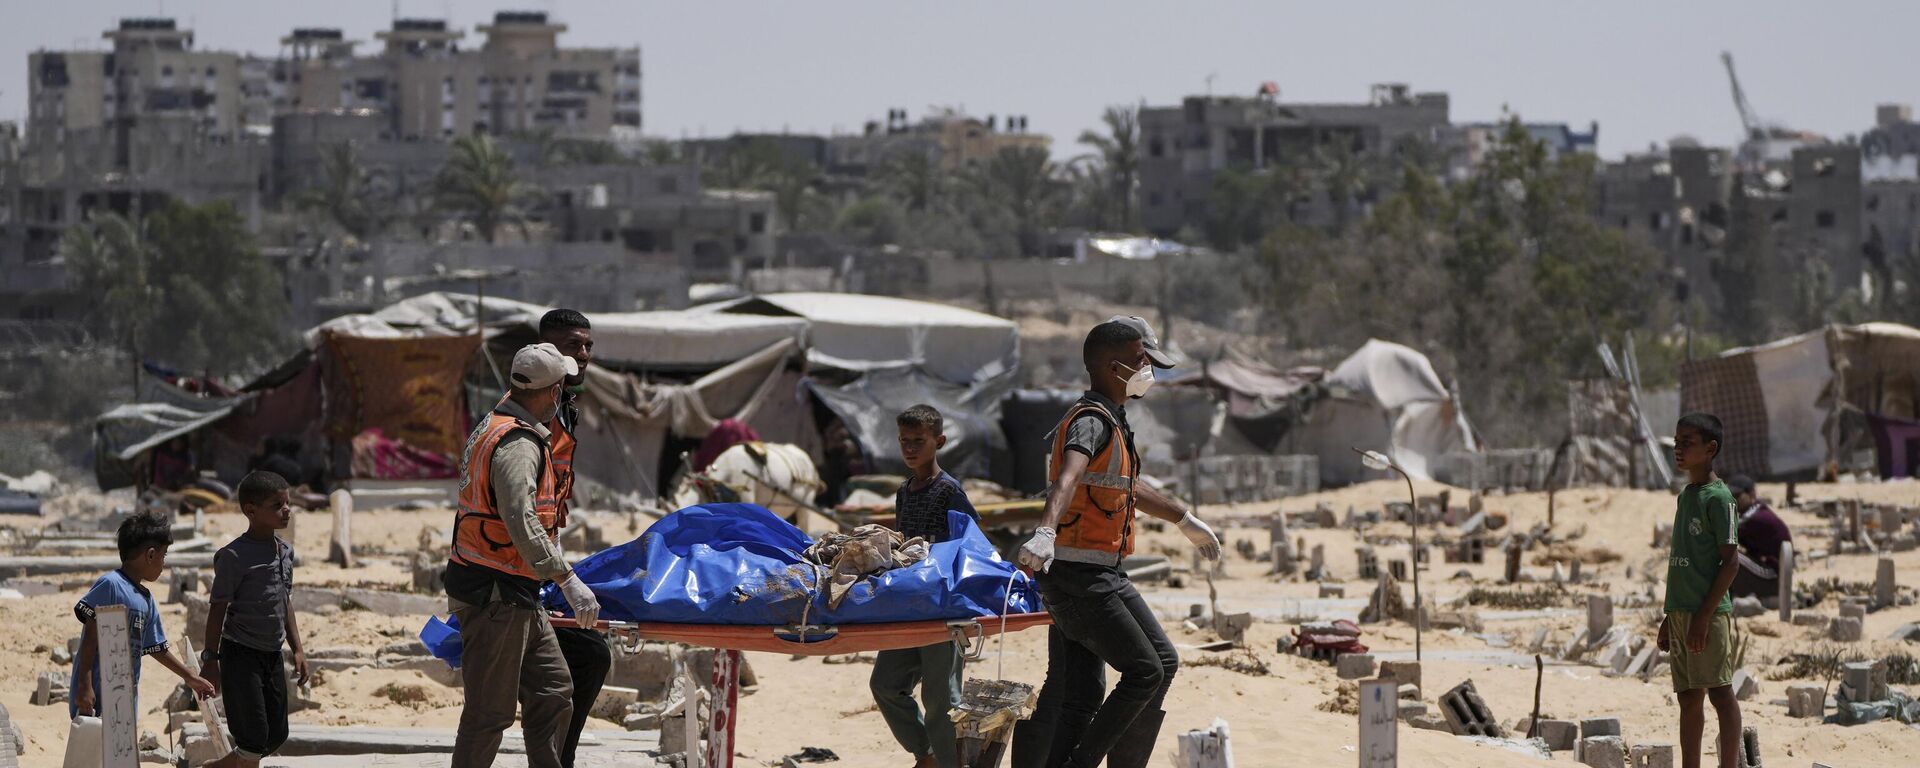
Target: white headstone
{"x": 1206, "y": 749}
{"x": 1379, "y": 724}
{"x": 341, "y": 553}
{"x": 119, "y": 723}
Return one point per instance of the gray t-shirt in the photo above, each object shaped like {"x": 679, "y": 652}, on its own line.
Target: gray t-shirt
{"x": 254, "y": 577}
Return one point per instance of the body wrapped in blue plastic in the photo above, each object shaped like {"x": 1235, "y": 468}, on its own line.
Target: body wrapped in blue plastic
{"x": 739, "y": 564}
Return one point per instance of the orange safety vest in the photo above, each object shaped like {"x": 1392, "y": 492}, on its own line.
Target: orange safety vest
{"x": 560, "y": 445}
{"x": 479, "y": 536}
{"x": 1097, "y": 526}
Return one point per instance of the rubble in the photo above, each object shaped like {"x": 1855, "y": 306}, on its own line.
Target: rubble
{"x": 1845, "y": 629}
{"x": 1467, "y": 714}
{"x": 1659, "y": 755}
{"x": 1603, "y": 752}
{"x": 1353, "y": 666}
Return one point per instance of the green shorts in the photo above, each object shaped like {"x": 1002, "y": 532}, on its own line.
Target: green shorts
{"x": 1712, "y": 667}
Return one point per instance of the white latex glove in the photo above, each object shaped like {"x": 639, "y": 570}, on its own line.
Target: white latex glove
{"x": 586, "y": 609}
{"x": 1037, "y": 553}
{"x": 1202, "y": 537}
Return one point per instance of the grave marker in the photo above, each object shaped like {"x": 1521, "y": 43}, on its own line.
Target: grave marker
{"x": 1379, "y": 724}
{"x": 119, "y": 723}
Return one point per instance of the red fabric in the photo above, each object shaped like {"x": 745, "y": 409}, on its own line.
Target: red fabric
{"x": 726, "y": 434}
{"x": 378, "y": 457}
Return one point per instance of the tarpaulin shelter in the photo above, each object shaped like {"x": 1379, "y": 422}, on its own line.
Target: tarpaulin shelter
{"x": 1385, "y": 397}
{"x": 1792, "y": 406}
{"x": 855, "y": 332}
{"x": 1263, "y": 402}
{"x": 398, "y": 370}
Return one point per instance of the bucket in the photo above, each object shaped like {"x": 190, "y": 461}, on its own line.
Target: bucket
{"x": 983, "y": 723}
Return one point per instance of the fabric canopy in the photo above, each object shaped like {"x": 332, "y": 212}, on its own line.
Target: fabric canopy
{"x": 625, "y": 423}
{"x": 432, "y": 314}
{"x": 693, "y": 338}
{"x": 1778, "y": 402}
{"x": 1385, "y": 397}
{"x": 869, "y": 404}
{"x": 857, "y": 332}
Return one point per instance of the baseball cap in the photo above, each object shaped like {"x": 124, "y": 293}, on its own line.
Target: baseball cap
{"x": 538, "y": 366}
{"x": 1160, "y": 357}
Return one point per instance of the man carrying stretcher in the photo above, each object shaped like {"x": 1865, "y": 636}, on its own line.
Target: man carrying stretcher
{"x": 1099, "y": 619}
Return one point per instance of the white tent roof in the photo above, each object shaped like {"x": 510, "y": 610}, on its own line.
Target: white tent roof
{"x": 1388, "y": 375}
{"x": 860, "y": 332}
{"x": 698, "y": 337}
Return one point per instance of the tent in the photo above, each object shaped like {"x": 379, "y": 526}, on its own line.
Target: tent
{"x": 1386, "y": 397}
{"x": 855, "y": 332}
{"x": 1794, "y": 405}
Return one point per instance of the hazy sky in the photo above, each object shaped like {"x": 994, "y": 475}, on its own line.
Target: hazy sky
{"x": 1646, "y": 71}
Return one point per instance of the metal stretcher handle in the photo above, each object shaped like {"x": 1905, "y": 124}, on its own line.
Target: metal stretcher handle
{"x": 969, "y": 638}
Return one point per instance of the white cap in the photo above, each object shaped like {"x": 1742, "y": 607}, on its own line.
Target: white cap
{"x": 538, "y": 366}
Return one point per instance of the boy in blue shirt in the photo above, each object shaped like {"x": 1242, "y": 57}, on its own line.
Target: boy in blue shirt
{"x": 920, "y": 510}
{"x": 143, "y": 539}
{"x": 1701, "y": 565}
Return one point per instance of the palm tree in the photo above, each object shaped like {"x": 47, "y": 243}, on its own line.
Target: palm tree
{"x": 356, "y": 199}
{"x": 1119, "y": 153}
{"x": 1344, "y": 175}
{"x": 914, "y": 178}
{"x": 479, "y": 184}
{"x": 1021, "y": 179}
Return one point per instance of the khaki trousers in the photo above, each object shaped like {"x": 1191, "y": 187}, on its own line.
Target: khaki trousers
{"x": 510, "y": 655}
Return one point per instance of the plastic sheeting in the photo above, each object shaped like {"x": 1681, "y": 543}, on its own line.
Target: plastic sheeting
{"x": 163, "y": 412}
{"x": 870, "y": 404}
{"x": 1387, "y": 397}
{"x": 739, "y": 564}
{"x": 857, "y": 332}
{"x": 694, "y": 338}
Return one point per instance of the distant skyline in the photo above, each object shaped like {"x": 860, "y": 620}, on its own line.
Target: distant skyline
{"x": 1646, "y": 71}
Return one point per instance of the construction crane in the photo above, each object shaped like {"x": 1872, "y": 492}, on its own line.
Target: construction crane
{"x": 1763, "y": 141}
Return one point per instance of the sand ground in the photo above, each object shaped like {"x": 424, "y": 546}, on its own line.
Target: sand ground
{"x": 1276, "y": 718}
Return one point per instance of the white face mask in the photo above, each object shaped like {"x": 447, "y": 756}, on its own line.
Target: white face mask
{"x": 1139, "y": 382}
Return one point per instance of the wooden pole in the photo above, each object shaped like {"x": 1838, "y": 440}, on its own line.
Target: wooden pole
{"x": 1539, "y": 672}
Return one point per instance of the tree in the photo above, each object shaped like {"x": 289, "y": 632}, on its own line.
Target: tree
{"x": 480, "y": 185}
{"x": 192, "y": 292}
{"x": 1020, "y": 180}
{"x": 1343, "y": 174}
{"x": 359, "y": 201}
{"x": 873, "y": 221}
{"x": 1118, "y": 154}
{"x": 915, "y": 179}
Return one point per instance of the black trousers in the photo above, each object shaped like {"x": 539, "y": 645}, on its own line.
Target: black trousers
{"x": 588, "y": 659}
{"x": 1099, "y": 620}
{"x": 253, "y": 686}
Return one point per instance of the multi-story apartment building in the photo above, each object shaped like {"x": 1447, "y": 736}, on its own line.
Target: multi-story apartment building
{"x": 518, "y": 80}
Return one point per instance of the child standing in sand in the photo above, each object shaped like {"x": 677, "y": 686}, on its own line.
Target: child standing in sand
{"x": 920, "y": 510}
{"x": 144, "y": 539}
{"x": 250, "y": 617}
{"x": 1698, "y": 629}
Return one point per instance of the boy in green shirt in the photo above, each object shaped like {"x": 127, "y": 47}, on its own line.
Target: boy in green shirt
{"x": 1698, "y": 630}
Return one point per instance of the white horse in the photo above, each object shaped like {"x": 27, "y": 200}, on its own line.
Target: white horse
{"x": 778, "y": 476}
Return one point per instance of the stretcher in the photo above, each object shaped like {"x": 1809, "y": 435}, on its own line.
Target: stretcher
{"x": 723, "y": 689}
{"x": 819, "y": 640}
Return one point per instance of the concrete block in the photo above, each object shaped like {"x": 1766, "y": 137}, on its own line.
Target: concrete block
{"x": 1744, "y": 685}
{"x": 1908, "y": 632}
{"x": 1430, "y": 722}
{"x": 1806, "y": 701}
{"x": 1333, "y": 590}
{"x": 1353, "y": 666}
{"x": 613, "y": 700}
{"x": 1641, "y": 661}
{"x": 1746, "y": 607}
{"x": 1853, "y": 610}
{"x": 644, "y": 721}
{"x": 49, "y": 689}
{"x": 1467, "y": 714}
{"x": 1650, "y": 756}
{"x": 1560, "y": 735}
{"x": 1599, "y": 615}
{"x": 197, "y": 615}
{"x": 1232, "y": 627}
{"x": 1885, "y": 591}
{"x": 1810, "y": 619}
{"x": 1411, "y": 708}
{"x": 1845, "y": 629}
{"x": 1403, "y": 672}
{"x": 1749, "y": 748}
{"x": 1599, "y": 726}
{"x": 1603, "y": 752}
{"x": 1407, "y": 692}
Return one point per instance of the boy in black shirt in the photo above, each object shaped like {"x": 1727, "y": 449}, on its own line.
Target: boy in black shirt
{"x": 920, "y": 510}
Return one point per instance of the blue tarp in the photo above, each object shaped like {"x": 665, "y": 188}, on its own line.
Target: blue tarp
{"x": 739, "y": 564}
